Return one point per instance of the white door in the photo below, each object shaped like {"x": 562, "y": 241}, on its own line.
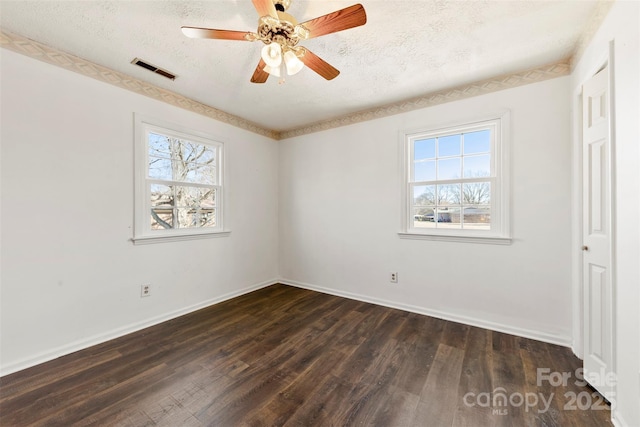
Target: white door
{"x": 597, "y": 278}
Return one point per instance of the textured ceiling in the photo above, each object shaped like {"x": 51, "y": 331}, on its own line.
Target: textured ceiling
{"x": 407, "y": 48}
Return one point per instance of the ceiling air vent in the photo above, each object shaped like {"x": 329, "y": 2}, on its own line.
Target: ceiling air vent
{"x": 163, "y": 73}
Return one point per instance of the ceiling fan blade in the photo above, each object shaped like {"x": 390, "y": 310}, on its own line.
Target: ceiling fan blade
{"x": 343, "y": 19}
{"x": 265, "y": 7}
{"x": 319, "y": 65}
{"x": 210, "y": 33}
{"x": 260, "y": 75}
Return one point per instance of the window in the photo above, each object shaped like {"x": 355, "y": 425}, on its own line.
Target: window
{"x": 456, "y": 182}
{"x": 178, "y": 183}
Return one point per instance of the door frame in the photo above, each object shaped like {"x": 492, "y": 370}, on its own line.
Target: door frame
{"x": 606, "y": 59}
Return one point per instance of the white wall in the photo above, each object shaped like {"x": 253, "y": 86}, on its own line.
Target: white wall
{"x": 340, "y": 214}
{"x": 70, "y": 276}
{"x": 621, "y": 28}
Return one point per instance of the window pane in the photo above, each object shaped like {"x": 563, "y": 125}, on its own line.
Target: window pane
{"x": 161, "y": 219}
{"x": 449, "y": 168}
{"x": 448, "y": 217}
{"x": 193, "y": 172}
{"x": 159, "y": 146}
{"x": 205, "y": 155}
{"x": 449, "y": 194}
{"x": 180, "y": 170}
{"x": 192, "y": 162}
{"x": 423, "y": 217}
{"x": 477, "y": 142}
{"x": 449, "y": 145}
{"x": 186, "y": 150}
{"x": 161, "y": 195}
{"x": 424, "y": 149}
{"x": 194, "y": 197}
{"x": 477, "y": 218}
{"x": 424, "y": 195}
{"x": 207, "y": 198}
{"x": 476, "y": 193}
{"x": 196, "y": 218}
{"x": 477, "y": 166}
{"x": 192, "y": 152}
{"x": 186, "y": 197}
{"x": 208, "y": 218}
{"x": 187, "y": 218}
{"x": 159, "y": 168}
{"x": 424, "y": 171}
{"x": 200, "y": 173}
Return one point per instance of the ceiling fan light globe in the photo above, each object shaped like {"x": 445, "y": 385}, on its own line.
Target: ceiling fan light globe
{"x": 274, "y": 71}
{"x": 294, "y": 65}
{"x": 272, "y": 55}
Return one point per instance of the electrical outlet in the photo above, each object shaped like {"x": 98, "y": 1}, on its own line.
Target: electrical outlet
{"x": 393, "y": 277}
{"x": 145, "y": 291}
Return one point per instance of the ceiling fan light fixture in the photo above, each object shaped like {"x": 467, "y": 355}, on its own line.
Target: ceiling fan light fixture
{"x": 293, "y": 63}
{"x": 272, "y": 55}
{"x": 281, "y": 33}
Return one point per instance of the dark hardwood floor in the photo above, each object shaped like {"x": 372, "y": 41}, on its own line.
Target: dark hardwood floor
{"x": 288, "y": 356}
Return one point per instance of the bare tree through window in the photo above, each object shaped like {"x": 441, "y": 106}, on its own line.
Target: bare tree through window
{"x": 183, "y": 183}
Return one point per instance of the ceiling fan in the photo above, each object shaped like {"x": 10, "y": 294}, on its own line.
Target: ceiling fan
{"x": 281, "y": 33}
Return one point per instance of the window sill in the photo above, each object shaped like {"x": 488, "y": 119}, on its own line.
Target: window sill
{"x": 146, "y": 240}
{"x": 491, "y": 240}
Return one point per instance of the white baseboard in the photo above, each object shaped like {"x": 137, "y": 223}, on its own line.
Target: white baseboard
{"x": 617, "y": 420}
{"x": 116, "y": 333}
{"x": 562, "y": 340}
{"x": 577, "y": 350}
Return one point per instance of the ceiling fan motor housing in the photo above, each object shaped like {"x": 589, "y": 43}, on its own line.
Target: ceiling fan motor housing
{"x": 284, "y": 31}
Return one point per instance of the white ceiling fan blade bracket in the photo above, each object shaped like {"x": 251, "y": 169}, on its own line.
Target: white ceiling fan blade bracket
{"x": 301, "y": 32}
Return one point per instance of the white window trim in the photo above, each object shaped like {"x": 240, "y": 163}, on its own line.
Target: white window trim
{"x": 142, "y": 233}
{"x": 500, "y": 200}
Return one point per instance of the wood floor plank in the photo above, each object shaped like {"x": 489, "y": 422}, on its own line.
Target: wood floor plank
{"x": 396, "y": 408}
{"x": 546, "y": 412}
{"x": 455, "y": 335}
{"x": 473, "y": 381}
{"x": 421, "y": 341}
{"x": 375, "y": 386}
{"x": 439, "y": 399}
{"x": 507, "y": 377}
{"x": 321, "y": 406}
{"x": 288, "y": 356}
